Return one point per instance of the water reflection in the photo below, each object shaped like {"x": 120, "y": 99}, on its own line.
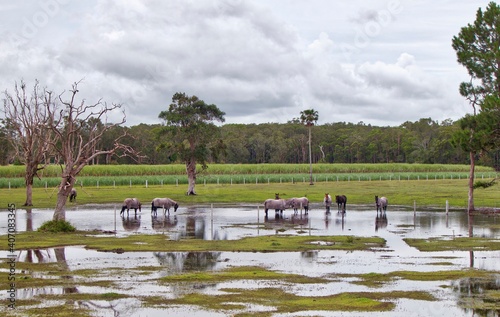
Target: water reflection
{"x": 131, "y": 223}
{"x": 380, "y": 221}
{"x": 477, "y": 296}
{"x": 178, "y": 262}
{"x": 163, "y": 223}
{"x": 54, "y": 255}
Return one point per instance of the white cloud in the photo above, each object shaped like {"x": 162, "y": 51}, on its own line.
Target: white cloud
{"x": 384, "y": 63}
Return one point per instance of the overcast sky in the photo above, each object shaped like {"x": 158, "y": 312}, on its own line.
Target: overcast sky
{"x": 382, "y": 62}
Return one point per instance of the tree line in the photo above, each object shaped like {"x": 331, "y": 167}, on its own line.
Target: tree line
{"x": 422, "y": 141}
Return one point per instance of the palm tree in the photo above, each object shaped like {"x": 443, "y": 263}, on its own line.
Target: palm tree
{"x": 309, "y": 118}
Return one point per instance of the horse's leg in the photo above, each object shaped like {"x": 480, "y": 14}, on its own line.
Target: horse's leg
{"x": 266, "y": 211}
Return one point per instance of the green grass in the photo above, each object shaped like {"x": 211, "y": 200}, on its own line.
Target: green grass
{"x": 425, "y": 193}
{"x": 159, "y": 242}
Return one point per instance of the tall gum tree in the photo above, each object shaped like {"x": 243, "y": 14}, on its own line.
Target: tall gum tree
{"x": 79, "y": 128}
{"x": 190, "y": 133}
{"x": 478, "y": 49}
{"x": 309, "y": 117}
{"x": 26, "y": 118}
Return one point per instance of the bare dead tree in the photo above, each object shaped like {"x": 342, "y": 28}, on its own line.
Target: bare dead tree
{"x": 26, "y": 119}
{"x": 78, "y": 128}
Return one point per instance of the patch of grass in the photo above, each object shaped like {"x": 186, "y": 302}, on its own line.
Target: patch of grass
{"x": 60, "y": 310}
{"x": 159, "y": 242}
{"x": 441, "y": 275}
{"x": 456, "y": 244}
{"x": 56, "y": 226}
{"x": 280, "y": 301}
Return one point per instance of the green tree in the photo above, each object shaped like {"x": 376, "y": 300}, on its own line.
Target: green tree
{"x": 309, "y": 117}
{"x": 192, "y": 133}
{"x": 478, "y": 49}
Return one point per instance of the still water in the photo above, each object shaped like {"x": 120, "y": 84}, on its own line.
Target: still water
{"x": 220, "y": 223}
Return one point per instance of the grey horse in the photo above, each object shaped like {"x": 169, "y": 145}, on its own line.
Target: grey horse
{"x": 381, "y": 204}
{"x": 299, "y": 203}
{"x": 72, "y": 195}
{"x": 279, "y": 205}
{"x": 131, "y": 203}
{"x": 165, "y": 204}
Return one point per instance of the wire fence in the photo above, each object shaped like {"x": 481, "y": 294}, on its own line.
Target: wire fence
{"x": 158, "y": 180}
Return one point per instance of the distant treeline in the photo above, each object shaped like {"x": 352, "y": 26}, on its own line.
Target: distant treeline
{"x": 424, "y": 141}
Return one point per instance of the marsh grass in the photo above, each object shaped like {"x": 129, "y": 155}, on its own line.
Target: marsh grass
{"x": 159, "y": 242}
{"x": 456, "y": 244}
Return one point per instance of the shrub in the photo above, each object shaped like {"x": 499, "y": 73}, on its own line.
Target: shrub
{"x": 56, "y": 226}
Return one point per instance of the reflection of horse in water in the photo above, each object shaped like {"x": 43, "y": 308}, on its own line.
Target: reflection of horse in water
{"x": 164, "y": 223}
{"x": 341, "y": 201}
{"x": 281, "y": 224}
{"x": 380, "y": 221}
{"x": 131, "y": 223}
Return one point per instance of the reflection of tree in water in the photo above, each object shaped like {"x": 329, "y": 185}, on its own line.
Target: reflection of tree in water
{"x": 56, "y": 255}
{"x": 472, "y": 292}
{"x": 178, "y": 262}
{"x": 131, "y": 223}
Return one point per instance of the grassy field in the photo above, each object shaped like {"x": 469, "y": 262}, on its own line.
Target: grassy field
{"x": 430, "y": 193}
{"x": 404, "y": 184}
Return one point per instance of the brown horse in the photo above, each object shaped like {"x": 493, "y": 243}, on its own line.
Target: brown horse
{"x": 328, "y": 202}
{"x": 341, "y": 201}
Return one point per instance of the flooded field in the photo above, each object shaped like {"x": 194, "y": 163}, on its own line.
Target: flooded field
{"x": 341, "y": 268}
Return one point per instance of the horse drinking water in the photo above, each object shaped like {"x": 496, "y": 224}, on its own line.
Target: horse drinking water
{"x": 165, "y": 204}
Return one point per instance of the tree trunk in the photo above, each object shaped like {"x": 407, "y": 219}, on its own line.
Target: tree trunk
{"x": 29, "y": 195}
{"x": 62, "y": 197}
{"x": 470, "y": 202}
{"x": 310, "y": 160}
{"x": 191, "y": 172}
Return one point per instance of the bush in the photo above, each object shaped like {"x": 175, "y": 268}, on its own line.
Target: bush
{"x": 56, "y": 226}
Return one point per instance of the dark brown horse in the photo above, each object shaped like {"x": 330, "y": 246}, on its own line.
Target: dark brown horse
{"x": 341, "y": 201}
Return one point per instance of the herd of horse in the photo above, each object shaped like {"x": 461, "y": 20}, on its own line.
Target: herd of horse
{"x": 278, "y": 204}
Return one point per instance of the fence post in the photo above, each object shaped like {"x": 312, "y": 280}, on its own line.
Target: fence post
{"x": 146, "y": 183}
